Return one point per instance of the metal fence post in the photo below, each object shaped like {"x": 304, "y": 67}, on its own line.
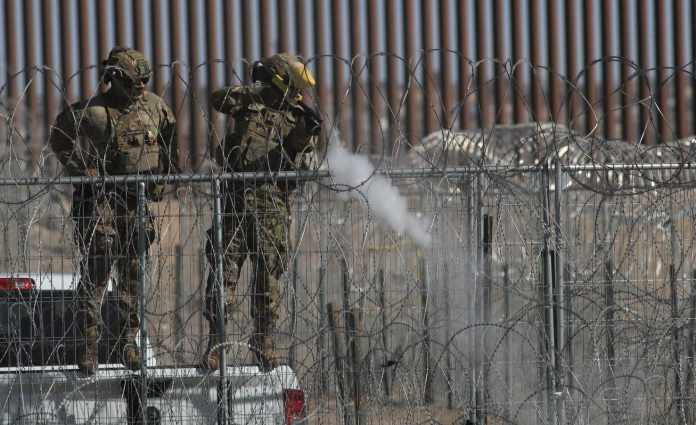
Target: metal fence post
{"x": 293, "y": 298}
{"x": 559, "y": 295}
{"x": 486, "y": 292}
{"x": 448, "y": 335}
{"x": 142, "y": 275}
{"x": 425, "y": 317}
{"x": 507, "y": 373}
{"x": 474, "y": 191}
{"x": 610, "y": 306}
{"x": 219, "y": 280}
{"x": 675, "y": 328}
{"x": 179, "y": 303}
{"x": 385, "y": 335}
{"x": 548, "y": 299}
{"x": 690, "y": 347}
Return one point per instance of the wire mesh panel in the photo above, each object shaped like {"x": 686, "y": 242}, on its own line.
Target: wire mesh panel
{"x": 516, "y": 295}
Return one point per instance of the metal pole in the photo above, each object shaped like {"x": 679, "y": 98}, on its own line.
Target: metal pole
{"x": 197, "y": 133}
{"x": 572, "y": 66}
{"x": 675, "y": 328}
{"x": 590, "y": 32}
{"x": 356, "y": 74}
{"x": 345, "y": 283}
{"x": 375, "y": 103}
{"x": 446, "y": 87}
{"x": 295, "y": 266}
{"x": 519, "y": 108}
{"x": 472, "y": 263}
{"x": 548, "y": 298}
{"x": 664, "y": 74}
{"x": 559, "y": 296}
{"x": 11, "y": 32}
{"x": 502, "y": 83}
{"x": 158, "y": 40}
{"x": 385, "y": 334}
{"x": 179, "y": 302}
{"x": 535, "y": 25}
{"x": 506, "y": 342}
{"x": 478, "y": 372}
{"x": 33, "y": 138}
{"x": 66, "y": 49}
{"x": 645, "y": 92}
{"x": 448, "y": 335}
{"x": 430, "y": 104}
{"x": 485, "y": 101}
{"x": 464, "y": 66}
{"x": 219, "y": 279}
{"x": 609, "y": 318}
{"x": 323, "y": 341}
{"x": 607, "y": 20}
{"x": 47, "y": 30}
{"x": 323, "y": 344}
{"x": 628, "y": 94}
{"x": 486, "y": 286}
{"x": 142, "y": 274}
{"x": 339, "y": 362}
{"x": 410, "y": 55}
{"x": 425, "y": 316}
{"x": 554, "y": 51}
{"x": 84, "y": 18}
{"x": 690, "y": 345}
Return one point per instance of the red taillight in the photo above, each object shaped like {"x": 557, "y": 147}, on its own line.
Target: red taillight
{"x": 19, "y": 283}
{"x": 294, "y": 405}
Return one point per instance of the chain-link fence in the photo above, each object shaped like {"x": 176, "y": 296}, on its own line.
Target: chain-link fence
{"x": 534, "y": 299}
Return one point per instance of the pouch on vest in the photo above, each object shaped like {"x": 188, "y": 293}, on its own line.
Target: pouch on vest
{"x": 265, "y": 130}
{"x": 135, "y": 149}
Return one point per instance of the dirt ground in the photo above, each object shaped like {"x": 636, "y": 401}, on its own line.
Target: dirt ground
{"x": 324, "y": 411}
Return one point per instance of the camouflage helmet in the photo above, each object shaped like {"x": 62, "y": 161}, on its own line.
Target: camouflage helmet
{"x": 126, "y": 62}
{"x": 284, "y": 70}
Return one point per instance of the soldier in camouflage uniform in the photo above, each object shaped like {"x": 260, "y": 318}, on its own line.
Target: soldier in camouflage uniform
{"x": 273, "y": 128}
{"x": 125, "y": 130}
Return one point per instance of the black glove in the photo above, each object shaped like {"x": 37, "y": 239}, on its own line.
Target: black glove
{"x": 312, "y": 120}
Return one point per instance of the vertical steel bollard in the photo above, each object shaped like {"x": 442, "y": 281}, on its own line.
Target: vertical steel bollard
{"x": 219, "y": 279}
{"x": 142, "y": 274}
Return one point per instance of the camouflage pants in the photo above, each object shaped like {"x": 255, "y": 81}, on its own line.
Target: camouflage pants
{"x": 106, "y": 231}
{"x": 255, "y": 226}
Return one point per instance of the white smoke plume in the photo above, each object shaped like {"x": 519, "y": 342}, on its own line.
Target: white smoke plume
{"x": 356, "y": 171}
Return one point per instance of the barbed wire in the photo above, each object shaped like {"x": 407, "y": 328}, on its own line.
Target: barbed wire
{"x": 466, "y": 315}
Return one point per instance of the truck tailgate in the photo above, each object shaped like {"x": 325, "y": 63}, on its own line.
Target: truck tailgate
{"x": 60, "y": 395}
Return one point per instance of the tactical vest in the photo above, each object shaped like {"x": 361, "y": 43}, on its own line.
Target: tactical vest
{"x": 133, "y": 145}
{"x": 259, "y": 133}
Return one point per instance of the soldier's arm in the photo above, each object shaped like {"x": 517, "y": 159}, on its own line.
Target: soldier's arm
{"x": 62, "y": 140}
{"x": 230, "y": 99}
{"x": 302, "y": 138}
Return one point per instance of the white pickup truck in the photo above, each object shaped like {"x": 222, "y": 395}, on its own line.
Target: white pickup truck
{"x": 40, "y": 383}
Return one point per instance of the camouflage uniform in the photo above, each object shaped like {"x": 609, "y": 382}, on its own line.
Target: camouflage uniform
{"x": 272, "y": 128}
{"x": 113, "y": 135}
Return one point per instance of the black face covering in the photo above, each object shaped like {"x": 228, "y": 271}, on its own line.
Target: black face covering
{"x": 260, "y": 72}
